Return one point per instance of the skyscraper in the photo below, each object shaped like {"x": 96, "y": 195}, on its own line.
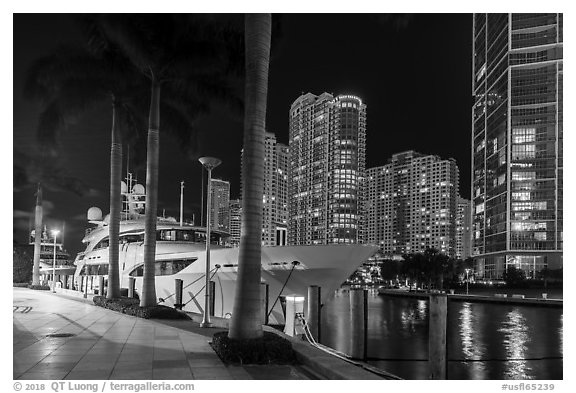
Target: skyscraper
{"x": 517, "y": 142}
{"x": 275, "y": 199}
{"x": 235, "y": 222}
{"x": 412, "y": 204}
{"x": 220, "y": 211}
{"x": 327, "y": 143}
{"x": 464, "y": 228}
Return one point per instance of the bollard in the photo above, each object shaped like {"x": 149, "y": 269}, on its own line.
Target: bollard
{"x": 313, "y": 311}
{"x": 264, "y": 293}
{"x": 101, "y": 285}
{"x": 131, "y": 286}
{"x": 359, "y": 319}
{"x": 212, "y": 296}
{"x": 65, "y": 281}
{"x": 437, "y": 336}
{"x": 178, "y": 285}
{"x": 294, "y": 306}
{"x": 85, "y": 286}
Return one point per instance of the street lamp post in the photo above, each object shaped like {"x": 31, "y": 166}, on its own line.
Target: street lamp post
{"x": 209, "y": 163}
{"x": 467, "y": 271}
{"x": 54, "y": 233}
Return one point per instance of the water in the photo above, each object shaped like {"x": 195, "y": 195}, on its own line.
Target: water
{"x": 480, "y": 337}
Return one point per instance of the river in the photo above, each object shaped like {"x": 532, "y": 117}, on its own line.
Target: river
{"x": 485, "y": 341}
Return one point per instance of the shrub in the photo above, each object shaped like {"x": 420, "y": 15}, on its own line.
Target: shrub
{"x": 130, "y": 306}
{"x": 270, "y": 349}
{"x": 39, "y": 287}
{"x": 20, "y": 284}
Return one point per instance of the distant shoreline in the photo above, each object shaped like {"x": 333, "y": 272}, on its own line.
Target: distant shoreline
{"x": 527, "y": 301}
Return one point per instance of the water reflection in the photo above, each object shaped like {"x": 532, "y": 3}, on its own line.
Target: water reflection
{"x": 473, "y": 347}
{"x": 398, "y": 337}
{"x": 412, "y": 316}
{"x": 515, "y": 339}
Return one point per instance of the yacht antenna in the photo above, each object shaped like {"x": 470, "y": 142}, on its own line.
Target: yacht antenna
{"x": 181, "y": 203}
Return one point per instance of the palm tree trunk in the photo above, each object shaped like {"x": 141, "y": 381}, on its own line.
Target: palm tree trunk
{"x": 115, "y": 208}
{"x": 37, "y": 237}
{"x": 148, "y": 281}
{"x": 247, "y": 314}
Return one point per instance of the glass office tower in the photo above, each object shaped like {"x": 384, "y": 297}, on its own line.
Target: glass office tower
{"x": 517, "y": 143}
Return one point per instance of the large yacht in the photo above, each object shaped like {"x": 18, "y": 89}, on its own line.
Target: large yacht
{"x": 181, "y": 254}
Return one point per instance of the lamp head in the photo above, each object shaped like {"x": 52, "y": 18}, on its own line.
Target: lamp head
{"x": 210, "y": 162}
{"x": 55, "y": 232}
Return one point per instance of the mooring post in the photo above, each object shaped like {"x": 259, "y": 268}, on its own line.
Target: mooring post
{"x": 264, "y": 293}
{"x": 101, "y": 285}
{"x": 359, "y": 316}
{"x": 212, "y": 297}
{"x": 131, "y": 286}
{"x": 437, "y": 336}
{"x": 313, "y": 311}
{"x": 178, "y": 285}
{"x": 65, "y": 281}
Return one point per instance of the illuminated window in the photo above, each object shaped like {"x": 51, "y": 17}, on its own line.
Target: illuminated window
{"x": 523, "y": 135}
{"x": 523, "y": 176}
{"x": 521, "y": 196}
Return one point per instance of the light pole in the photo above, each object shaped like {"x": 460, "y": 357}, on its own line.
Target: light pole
{"x": 467, "y": 271}
{"x": 209, "y": 163}
{"x": 54, "y": 233}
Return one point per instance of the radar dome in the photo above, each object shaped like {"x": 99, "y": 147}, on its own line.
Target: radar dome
{"x": 123, "y": 187}
{"x": 94, "y": 214}
{"x": 138, "y": 189}
{"x": 107, "y": 219}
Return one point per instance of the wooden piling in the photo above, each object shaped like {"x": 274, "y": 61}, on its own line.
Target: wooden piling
{"x": 359, "y": 319}
{"x": 313, "y": 312}
{"x": 437, "y": 336}
{"x": 264, "y": 294}
{"x": 178, "y": 285}
{"x": 212, "y": 297}
{"x": 131, "y": 286}
{"x": 101, "y": 285}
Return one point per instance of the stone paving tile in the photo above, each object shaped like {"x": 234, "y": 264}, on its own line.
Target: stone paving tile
{"x": 86, "y": 374}
{"x": 202, "y": 363}
{"x": 133, "y": 365}
{"x": 211, "y": 373}
{"x": 172, "y": 373}
{"x": 44, "y": 375}
{"x": 131, "y": 374}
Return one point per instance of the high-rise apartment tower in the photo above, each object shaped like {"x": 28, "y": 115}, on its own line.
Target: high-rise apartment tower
{"x": 327, "y": 143}
{"x": 412, "y": 204}
{"x": 517, "y": 156}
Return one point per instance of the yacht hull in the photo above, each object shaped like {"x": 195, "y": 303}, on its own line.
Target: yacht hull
{"x": 325, "y": 266}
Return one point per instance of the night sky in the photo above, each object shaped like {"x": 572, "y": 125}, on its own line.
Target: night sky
{"x": 413, "y": 72}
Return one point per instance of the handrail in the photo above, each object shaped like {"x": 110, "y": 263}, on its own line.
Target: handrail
{"x": 162, "y": 300}
{"x": 294, "y": 264}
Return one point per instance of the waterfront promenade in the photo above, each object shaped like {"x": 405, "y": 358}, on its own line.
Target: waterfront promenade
{"x": 110, "y": 345}
{"x": 105, "y": 344}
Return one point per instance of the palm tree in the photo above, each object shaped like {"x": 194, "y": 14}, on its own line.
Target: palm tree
{"x": 72, "y": 81}
{"x": 246, "y": 320}
{"x": 178, "y": 53}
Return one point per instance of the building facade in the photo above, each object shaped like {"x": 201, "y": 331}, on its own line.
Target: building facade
{"x": 327, "y": 144}
{"x": 220, "y": 209}
{"x": 412, "y": 204}
{"x": 517, "y": 156}
{"x": 464, "y": 228}
{"x": 275, "y": 199}
{"x": 235, "y": 222}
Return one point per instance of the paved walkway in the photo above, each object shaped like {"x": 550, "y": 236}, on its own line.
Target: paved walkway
{"x": 108, "y": 345}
